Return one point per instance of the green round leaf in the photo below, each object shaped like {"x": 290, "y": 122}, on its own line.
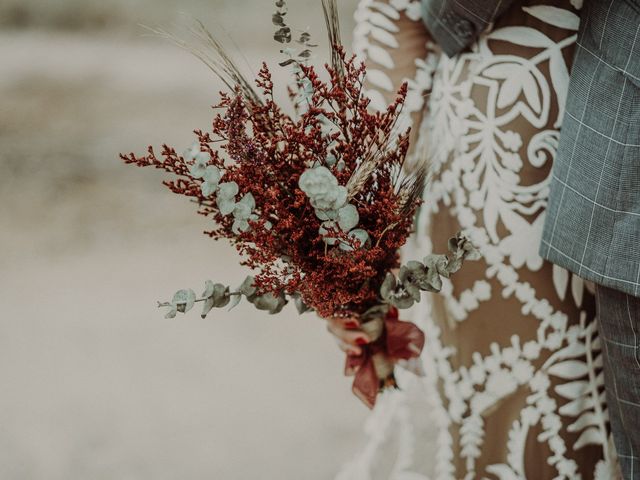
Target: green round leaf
{"x": 247, "y": 287}
{"x": 197, "y": 170}
{"x": 361, "y": 235}
{"x": 212, "y": 174}
{"x": 326, "y": 214}
{"x": 248, "y": 200}
{"x": 340, "y": 197}
{"x": 191, "y": 152}
{"x": 225, "y": 205}
{"x": 228, "y": 190}
{"x": 388, "y": 286}
{"x": 234, "y": 301}
{"x": 208, "y": 289}
{"x": 208, "y": 305}
{"x": 241, "y": 211}
{"x": 268, "y": 302}
{"x": 221, "y": 295}
{"x": 203, "y": 157}
{"x": 348, "y": 217}
{"x": 239, "y": 226}
{"x": 183, "y": 300}
{"x": 208, "y": 189}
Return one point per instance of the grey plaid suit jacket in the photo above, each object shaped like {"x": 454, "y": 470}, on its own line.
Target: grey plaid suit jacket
{"x": 592, "y": 224}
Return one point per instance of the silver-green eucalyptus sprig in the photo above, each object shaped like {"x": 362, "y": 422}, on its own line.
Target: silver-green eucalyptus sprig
{"x": 225, "y": 193}
{"x": 217, "y": 295}
{"x": 414, "y": 277}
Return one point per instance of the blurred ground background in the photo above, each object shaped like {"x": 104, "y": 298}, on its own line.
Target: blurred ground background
{"x": 95, "y": 383}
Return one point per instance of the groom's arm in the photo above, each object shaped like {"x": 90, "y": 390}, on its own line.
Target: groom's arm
{"x": 455, "y": 24}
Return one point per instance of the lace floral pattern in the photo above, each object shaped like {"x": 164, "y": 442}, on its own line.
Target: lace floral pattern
{"x": 495, "y": 116}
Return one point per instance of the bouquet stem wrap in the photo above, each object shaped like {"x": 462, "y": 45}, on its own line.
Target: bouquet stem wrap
{"x": 373, "y": 368}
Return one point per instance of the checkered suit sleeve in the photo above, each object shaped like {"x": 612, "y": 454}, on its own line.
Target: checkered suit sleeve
{"x": 593, "y": 218}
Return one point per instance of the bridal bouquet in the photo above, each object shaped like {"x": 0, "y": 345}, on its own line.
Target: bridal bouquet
{"x": 316, "y": 202}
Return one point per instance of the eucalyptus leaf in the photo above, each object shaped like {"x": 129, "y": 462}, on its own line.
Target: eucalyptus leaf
{"x": 234, "y": 301}
{"x": 208, "y": 189}
{"x": 413, "y": 290}
{"x": 388, "y": 286}
{"x": 361, "y": 235}
{"x": 348, "y": 217}
{"x": 325, "y": 226}
{"x": 414, "y": 265}
{"x": 248, "y": 200}
{"x": 433, "y": 280}
{"x": 208, "y": 289}
{"x": 207, "y": 306}
{"x": 419, "y": 275}
{"x": 240, "y": 226}
{"x": 343, "y": 246}
{"x": 453, "y": 266}
{"x": 341, "y": 196}
{"x": 221, "y": 296}
{"x": 283, "y": 35}
{"x": 225, "y": 205}
{"x": 247, "y": 288}
{"x": 304, "y": 37}
{"x": 212, "y": 174}
{"x": 267, "y": 301}
{"x": 324, "y": 231}
{"x": 301, "y": 307}
{"x": 438, "y": 263}
{"x": 326, "y": 215}
{"x": 270, "y": 302}
{"x": 183, "y": 300}
{"x": 402, "y": 301}
{"x": 241, "y": 211}
{"x": 190, "y": 153}
{"x": 228, "y": 190}
{"x": 203, "y": 157}
{"x": 197, "y": 170}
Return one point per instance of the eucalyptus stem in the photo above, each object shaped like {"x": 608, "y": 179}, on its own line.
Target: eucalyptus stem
{"x": 203, "y": 299}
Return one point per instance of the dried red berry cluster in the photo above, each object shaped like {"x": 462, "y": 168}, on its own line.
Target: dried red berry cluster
{"x": 265, "y": 150}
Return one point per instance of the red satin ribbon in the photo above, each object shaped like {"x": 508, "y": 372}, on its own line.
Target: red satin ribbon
{"x": 399, "y": 341}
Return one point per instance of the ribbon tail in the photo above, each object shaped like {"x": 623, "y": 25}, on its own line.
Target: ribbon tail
{"x": 366, "y": 383}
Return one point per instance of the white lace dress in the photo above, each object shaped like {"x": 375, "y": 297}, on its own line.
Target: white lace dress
{"x": 514, "y": 386}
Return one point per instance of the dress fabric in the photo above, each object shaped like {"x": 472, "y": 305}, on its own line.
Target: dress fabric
{"x": 514, "y": 383}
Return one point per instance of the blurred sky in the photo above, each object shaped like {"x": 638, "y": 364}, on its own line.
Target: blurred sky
{"x": 95, "y": 383}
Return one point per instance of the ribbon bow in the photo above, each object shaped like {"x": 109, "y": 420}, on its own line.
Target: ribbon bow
{"x": 373, "y": 368}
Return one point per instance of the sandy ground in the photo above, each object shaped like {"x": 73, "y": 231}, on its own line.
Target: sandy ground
{"x": 95, "y": 383}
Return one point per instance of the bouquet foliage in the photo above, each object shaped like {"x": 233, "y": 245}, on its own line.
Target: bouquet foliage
{"x": 317, "y": 201}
